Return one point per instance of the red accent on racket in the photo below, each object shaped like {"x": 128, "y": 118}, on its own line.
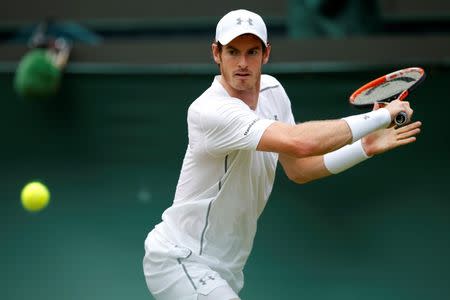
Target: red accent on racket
{"x": 395, "y": 85}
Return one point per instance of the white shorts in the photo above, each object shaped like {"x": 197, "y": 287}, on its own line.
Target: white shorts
{"x": 172, "y": 272}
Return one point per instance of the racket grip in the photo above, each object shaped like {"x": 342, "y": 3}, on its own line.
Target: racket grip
{"x": 401, "y": 119}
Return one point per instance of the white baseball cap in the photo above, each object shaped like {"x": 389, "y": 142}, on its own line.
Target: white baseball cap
{"x": 238, "y": 22}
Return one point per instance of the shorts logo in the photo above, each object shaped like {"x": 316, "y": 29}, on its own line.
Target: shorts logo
{"x": 250, "y": 126}
{"x": 205, "y": 279}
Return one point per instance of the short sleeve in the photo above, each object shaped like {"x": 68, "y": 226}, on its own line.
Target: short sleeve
{"x": 227, "y": 125}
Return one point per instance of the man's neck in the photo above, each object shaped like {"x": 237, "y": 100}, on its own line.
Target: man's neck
{"x": 249, "y": 97}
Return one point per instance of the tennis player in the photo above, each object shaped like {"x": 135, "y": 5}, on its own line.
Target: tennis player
{"x": 238, "y": 129}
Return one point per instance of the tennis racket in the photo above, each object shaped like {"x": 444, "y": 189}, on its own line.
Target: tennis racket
{"x": 395, "y": 85}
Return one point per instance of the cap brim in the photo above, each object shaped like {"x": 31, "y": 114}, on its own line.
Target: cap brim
{"x": 227, "y": 38}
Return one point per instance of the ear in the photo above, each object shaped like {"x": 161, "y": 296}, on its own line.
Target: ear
{"x": 215, "y": 52}
{"x": 267, "y": 54}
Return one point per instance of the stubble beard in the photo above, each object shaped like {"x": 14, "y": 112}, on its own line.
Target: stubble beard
{"x": 241, "y": 85}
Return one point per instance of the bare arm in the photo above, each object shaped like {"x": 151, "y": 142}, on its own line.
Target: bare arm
{"x": 302, "y": 147}
{"x": 303, "y": 170}
{"x": 320, "y": 137}
{"x": 305, "y": 139}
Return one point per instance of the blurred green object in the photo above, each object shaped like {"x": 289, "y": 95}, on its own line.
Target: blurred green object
{"x": 37, "y": 76}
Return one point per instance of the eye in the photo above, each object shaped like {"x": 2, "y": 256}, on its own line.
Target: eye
{"x": 253, "y": 52}
{"x": 232, "y": 52}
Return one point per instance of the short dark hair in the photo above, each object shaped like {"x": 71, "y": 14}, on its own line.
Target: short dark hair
{"x": 220, "y": 46}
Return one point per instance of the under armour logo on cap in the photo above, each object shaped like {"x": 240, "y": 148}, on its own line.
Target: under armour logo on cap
{"x": 239, "y": 22}
{"x": 249, "y": 21}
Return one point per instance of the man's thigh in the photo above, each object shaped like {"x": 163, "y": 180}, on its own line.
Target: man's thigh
{"x": 171, "y": 273}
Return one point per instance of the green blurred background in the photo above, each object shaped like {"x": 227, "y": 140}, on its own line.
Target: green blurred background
{"x": 110, "y": 145}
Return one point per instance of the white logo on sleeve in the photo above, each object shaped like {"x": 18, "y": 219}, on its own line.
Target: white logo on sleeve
{"x": 250, "y": 126}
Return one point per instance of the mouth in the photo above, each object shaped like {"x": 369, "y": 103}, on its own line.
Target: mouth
{"x": 242, "y": 75}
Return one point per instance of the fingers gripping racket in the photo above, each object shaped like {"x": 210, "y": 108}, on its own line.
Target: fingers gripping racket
{"x": 395, "y": 85}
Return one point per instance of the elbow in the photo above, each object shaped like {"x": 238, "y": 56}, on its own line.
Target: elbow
{"x": 301, "y": 180}
{"x": 301, "y": 148}
{"x": 298, "y": 178}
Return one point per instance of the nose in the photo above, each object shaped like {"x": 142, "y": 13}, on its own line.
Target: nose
{"x": 242, "y": 63}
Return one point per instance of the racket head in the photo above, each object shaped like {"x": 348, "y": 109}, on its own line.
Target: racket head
{"x": 388, "y": 87}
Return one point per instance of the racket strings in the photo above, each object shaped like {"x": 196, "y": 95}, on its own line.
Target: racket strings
{"x": 388, "y": 90}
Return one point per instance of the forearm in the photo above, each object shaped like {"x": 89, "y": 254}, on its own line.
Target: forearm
{"x": 344, "y": 158}
{"x": 320, "y": 137}
{"x": 334, "y": 134}
{"x": 363, "y": 124}
{"x": 305, "y": 139}
{"x": 302, "y": 170}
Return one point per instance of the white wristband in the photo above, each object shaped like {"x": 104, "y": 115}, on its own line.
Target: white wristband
{"x": 363, "y": 124}
{"x": 345, "y": 157}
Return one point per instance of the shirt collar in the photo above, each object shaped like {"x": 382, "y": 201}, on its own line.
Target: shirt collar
{"x": 218, "y": 87}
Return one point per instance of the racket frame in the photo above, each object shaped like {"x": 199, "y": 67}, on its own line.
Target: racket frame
{"x": 386, "y": 78}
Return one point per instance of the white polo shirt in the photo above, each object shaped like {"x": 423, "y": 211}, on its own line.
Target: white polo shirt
{"x": 224, "y": 182}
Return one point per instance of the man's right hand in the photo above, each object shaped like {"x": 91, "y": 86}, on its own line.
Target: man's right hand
{"x": 397, "y": 106}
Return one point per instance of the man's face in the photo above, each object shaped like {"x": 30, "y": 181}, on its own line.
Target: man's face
{"x": 241, "y": 61}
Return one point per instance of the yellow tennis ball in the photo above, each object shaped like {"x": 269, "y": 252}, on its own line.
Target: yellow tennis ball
{"x": 35, "y": 196}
